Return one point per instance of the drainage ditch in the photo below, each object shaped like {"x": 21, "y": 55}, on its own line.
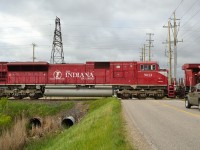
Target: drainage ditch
{"x": 39, "y": 127}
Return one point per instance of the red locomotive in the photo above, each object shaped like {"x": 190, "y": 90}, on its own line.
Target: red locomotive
{"x": 125, "y": 79}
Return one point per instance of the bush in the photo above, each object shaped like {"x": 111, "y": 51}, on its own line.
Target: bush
{"x": 3, "y": 104}
{"x": 5, "y": 120}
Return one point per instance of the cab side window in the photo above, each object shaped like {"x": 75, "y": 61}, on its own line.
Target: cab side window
{"x": 148, "y": 67}
{"x": 141, "y": 67}
{"x": 153, "y": 67}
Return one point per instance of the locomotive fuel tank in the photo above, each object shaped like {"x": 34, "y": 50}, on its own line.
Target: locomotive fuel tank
{"x": 78, "y": 92}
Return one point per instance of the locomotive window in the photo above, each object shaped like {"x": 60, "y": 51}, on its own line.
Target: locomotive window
{"x": 13, "y": 68}
{"x": 147, "y": 67}
{"x": 27, "y": 68}
{"x": 102, "y": 65}
{"x": 141, "y": 67}
{"x": 153, "y": 67}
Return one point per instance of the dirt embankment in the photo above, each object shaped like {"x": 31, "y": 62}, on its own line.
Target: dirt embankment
{"x": 23, "y": 131}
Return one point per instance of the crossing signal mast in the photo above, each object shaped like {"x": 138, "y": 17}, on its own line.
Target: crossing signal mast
{"x": 57, "y": 54}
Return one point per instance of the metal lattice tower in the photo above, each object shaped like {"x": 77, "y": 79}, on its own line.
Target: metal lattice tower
{"x": 57, "y": 54}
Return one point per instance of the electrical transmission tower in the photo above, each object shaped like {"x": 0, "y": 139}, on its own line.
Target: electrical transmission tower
{"x": 57, "y": 54}
{"x": 150, "y": 44}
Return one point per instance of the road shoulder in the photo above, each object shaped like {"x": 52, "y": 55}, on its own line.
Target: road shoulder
{"x": 136, "y": 138}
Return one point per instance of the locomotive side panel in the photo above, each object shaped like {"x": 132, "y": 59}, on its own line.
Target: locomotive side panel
{"x": 27, "y": 73}
{"x": 3, "y": 72}
{"x": 89, "y": 67}
{"x": 124, "y": 73}
{"x": 27, "y": 77}
{"x": 100, "y": 76}
{"x": 70, "y": 74}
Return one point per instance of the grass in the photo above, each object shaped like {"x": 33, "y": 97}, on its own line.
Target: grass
{"x": 101, "y": 129}
{"x": 9, "y": 110}
{"x": 14, "y": 117}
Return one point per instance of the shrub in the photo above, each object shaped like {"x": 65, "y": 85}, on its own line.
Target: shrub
{"x": 4, "y": 104}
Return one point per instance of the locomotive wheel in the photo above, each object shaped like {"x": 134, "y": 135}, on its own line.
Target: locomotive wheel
{"x": 142, "y": 96}
{"x": 33, "y": 97}
{"x": 126, "y": 96}
{"x": 158, "y": 96}
{"x": 119, "y": 95}
{"x": 18, "y": 97}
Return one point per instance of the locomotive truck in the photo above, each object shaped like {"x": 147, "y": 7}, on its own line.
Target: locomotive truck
{"x": 123, "y": 79}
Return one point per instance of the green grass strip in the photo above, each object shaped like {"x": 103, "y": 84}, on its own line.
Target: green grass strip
{"x": 101, "y": 129}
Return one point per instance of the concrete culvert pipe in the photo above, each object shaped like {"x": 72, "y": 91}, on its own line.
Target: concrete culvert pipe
{"x": 35, "y": 122}
{"x": 68, "y": 122}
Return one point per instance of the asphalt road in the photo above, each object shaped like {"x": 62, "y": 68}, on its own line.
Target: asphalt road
{"x": 165, "y": 124}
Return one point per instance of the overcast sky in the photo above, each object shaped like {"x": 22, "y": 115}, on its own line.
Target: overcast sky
{"x": 103, "y": 30}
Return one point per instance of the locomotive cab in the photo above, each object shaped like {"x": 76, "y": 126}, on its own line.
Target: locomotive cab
{"x": 151, "y": 82}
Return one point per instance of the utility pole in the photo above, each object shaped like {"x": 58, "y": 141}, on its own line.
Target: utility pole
{"x": 57, "y": 54}
{"x": 169, "y": 51}
{"x": 144, "y": 53}
{"x": 175, "y": 44}
{"x": 175, "y": 48}
{"x": 34, "y": 45}
{"x": 150, "y": 44}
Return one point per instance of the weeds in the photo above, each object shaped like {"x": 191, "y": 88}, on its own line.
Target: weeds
{"x": 16, "y": 137}
{"x": 4, "y": 104}
{"x": 14, "y": 121}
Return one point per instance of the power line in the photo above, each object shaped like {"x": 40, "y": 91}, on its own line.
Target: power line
{"x": 175, "y": 9}
{"x": 178, "y": 6}
{"x": 189, "y": 9}
{"x": 190, "y": 18}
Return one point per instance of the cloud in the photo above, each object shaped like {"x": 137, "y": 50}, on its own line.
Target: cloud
{"x": 103, "y": 30}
